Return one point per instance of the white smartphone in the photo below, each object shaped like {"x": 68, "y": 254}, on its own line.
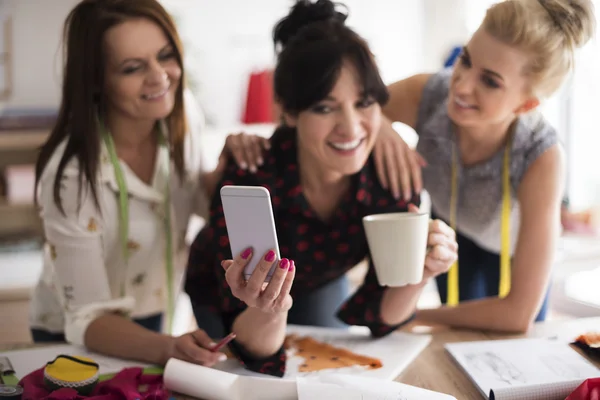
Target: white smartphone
{"x": 250, "y": 222}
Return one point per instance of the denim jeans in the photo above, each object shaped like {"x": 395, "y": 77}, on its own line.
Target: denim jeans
{"x": 154, "y": 323}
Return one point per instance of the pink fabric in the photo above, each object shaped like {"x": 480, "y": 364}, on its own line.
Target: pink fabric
{"x": 588, "y": 390}
{"x": 129, "y": 384}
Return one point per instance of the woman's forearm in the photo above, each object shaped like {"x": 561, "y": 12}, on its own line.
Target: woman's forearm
{"x": 261, "y": 334}
{"x": 495, "y": 314}
{"x": 399, "y": 303}
{"x": 118, "y": 336}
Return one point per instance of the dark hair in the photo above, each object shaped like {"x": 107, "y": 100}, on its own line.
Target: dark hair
{"x": 83, "y": 76}
{"x": 313, "y": 43}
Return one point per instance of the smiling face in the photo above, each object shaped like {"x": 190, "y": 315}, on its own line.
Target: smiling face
{"x": 488, "y": 86}
{"x": 338, "y": 133}
{"x": 142, "y": 72}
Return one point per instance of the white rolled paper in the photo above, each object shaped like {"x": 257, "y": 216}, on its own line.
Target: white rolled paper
{"x": 198, "y": 381}
{"x": 212, "y": 384}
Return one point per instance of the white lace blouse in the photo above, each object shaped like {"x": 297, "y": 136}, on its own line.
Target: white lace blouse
{"x": 84, "y": 273}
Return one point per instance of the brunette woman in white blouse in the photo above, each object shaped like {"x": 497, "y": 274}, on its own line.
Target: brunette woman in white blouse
{"x": 114, "y": 191}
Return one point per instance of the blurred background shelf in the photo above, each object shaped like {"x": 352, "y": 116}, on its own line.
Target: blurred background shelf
{"x": 18, "y": 221}
{"x": 20, "y": 146}
{"x": 22, "y": 133}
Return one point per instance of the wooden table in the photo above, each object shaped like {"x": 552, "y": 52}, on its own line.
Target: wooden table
{"x": 435, "y": 370}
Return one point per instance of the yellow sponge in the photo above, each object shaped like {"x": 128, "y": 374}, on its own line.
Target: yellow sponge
{"x": 75, "y": 372}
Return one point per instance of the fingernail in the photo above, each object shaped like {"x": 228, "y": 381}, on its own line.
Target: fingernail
{"x": 222, "y": 357}
{"x": 212, "y": 344}
{"x": 247, "y": 253}
{"x": 223, "y": 262}
{"x": 292, "y": 266}
{"x": 260, "y": 161}
{"x": 283, "y": 264}
{"x": 270, "y": 256}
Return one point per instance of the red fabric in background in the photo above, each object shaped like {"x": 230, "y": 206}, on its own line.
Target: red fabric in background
{"x": 259, "y": 100}
{"x": 123, "y": 386}
{"x": 588, "y": 390}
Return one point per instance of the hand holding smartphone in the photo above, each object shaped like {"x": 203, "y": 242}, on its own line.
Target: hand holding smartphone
{"x": 250, "y": 223}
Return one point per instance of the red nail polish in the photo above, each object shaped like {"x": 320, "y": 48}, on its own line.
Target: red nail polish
{"x": 292, "y": 266}
{"x": 283, "y": 264}
{"x": 270, "y": 256}
{"x": 247, "y": 253}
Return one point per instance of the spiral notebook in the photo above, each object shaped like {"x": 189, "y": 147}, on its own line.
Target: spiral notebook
{"x": 523, "y": 369}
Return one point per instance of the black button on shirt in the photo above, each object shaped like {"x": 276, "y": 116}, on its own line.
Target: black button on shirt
{"x": 322, "y": 251}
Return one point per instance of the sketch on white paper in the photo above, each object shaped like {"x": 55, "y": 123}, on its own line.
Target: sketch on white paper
{"x": 560, "y": 367}
{"x": 517, "y": 365}
{"x": 492, "y": 365}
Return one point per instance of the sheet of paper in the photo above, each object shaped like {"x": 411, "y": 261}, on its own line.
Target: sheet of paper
{"x": 522, "y": 366}
{"x": 396, "y": 351}
{"x": 27, "y": 361}
{"x": 350, "y": 387}
{"x": 212, "y": 384}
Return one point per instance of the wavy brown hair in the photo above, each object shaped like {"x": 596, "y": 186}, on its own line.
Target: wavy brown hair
{"x": 83, "y": 78}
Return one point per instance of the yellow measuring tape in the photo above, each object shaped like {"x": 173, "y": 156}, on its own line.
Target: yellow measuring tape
{"x": 504, "y": 288}
{"x": 124, "y": 218}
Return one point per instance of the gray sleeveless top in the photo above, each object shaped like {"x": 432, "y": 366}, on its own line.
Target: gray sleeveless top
{"x": 479, "y": 186}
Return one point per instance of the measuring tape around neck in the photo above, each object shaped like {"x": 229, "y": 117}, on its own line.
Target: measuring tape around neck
{"x": 504, "y": 286}
{"x": 124, "y": 217}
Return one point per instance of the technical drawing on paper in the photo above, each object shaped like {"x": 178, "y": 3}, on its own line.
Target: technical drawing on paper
{"x": 495, "y": 367}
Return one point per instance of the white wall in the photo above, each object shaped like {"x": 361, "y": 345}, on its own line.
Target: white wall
{"x": 446, "y": 27}
{"x": 584, "y": 135}
{"x": 227, "y": 39}
{"x": 37, "y": 28}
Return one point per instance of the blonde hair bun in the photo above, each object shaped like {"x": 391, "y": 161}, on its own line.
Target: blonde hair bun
{"x": 574, "y": 17}
{"x": 548, "y": 31}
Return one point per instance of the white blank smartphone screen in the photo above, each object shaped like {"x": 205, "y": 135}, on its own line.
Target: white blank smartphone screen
{"x": 249, "y": 218}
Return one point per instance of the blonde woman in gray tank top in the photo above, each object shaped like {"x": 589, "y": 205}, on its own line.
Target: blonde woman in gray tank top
{"x": 485, "y": 104}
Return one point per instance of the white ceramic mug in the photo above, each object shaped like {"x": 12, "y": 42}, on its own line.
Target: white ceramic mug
{"x": 398, "y": 246}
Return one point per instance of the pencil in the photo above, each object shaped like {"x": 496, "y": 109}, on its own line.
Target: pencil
{"x": 223, "y": 342}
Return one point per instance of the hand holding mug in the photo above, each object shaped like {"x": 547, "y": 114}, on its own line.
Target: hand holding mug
{"x": 442, "y": 247}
